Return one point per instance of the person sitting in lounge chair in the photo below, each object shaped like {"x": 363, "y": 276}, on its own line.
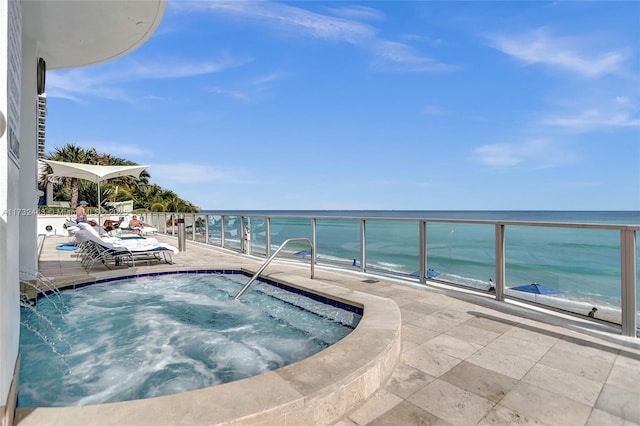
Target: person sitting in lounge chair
{"x": 113, "y": 224}
{"x": 137, "y": 223}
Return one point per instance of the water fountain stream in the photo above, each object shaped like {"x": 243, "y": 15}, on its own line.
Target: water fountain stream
{"x": 30, "y": 289}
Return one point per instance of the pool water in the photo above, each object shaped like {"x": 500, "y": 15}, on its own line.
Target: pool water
{"x": 150, "y": 336}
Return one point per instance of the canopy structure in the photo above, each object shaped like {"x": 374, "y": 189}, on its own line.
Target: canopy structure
{"x": 94, "y": 173}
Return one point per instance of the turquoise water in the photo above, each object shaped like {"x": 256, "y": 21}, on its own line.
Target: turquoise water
{"x": 583, "y": 263}
{"x": 152, "y": 336}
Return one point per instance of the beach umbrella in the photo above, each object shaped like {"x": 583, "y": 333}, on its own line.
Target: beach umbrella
{"x": 430, "y": 273}
{"x": 93, "y": 172}
{"x": 536, "y": 288}
{"x": 302, "y": 253}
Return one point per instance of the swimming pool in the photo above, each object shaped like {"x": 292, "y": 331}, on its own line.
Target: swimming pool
{"x": 149, "y": 336}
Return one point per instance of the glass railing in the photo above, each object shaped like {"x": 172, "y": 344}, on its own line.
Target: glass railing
{"x": 576, "y": 266}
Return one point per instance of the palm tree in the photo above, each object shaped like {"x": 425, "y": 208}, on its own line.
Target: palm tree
{"x": 144, "y": 195}
{"x": 72, "y": 154}
{"x": 147, "y": 195}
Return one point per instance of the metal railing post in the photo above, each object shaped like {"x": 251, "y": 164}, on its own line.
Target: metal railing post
{"x": 500, "y": 261}
{"x": 268, "y": 236}
{"x": 245, "y": 231}
{"x": 222, "y": 231}
{"x": 182, "y": 234}
{"x": 206, "y": 229}
{"x": 313, "y": 240}
{"x": 422, "y": 253}
{"x": 628, "y": 282}
{"x": 363, "y": 245}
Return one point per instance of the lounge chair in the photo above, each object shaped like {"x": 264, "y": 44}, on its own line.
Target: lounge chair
{"x": 119, "y": 251}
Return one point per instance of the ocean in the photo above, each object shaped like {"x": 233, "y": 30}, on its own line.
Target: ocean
{"x": 583, "y": 264}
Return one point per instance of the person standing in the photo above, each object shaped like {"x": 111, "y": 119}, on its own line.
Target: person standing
{"x": 81, "y": 213}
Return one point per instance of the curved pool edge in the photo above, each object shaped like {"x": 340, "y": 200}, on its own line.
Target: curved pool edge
{"x": 317, "y": 390}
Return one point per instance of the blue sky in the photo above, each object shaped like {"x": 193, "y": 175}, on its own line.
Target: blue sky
{"x": 373, "y": 105}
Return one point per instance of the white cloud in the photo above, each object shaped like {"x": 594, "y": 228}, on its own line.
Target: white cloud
{"x": 537, "y": 153}
{"x": 116, "y": 149}
{"x": 357, "y": 12}
{"x": 105, "y": 80}
{"x": 430, "y": 41}
{"x": 592, "y": 119}
{"x": 250, "y": 90}
{"x": 192, "y": 173}
{"x": 434, "y": 110}
{"x": 289, "y": 19}
{"x": 572, "y": 54}
{"x": 587, "y": 114}
{"x": 268, "y": 78}
{"x": 235, "y": 94}
{"x": 401, "y": 57}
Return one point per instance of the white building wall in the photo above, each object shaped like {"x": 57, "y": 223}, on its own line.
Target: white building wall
{"x": 10, "y": 86}
{"x": 102, "y": 31}
{"x": 28, "y": 185}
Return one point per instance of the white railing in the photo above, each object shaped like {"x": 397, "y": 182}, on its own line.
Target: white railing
{"x": 228, "y": 231}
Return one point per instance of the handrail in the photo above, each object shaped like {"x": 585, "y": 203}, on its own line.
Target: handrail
{"x": 266, "y": 263}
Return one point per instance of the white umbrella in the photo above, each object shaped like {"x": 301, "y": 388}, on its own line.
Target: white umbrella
{"x": 94, "y": 173}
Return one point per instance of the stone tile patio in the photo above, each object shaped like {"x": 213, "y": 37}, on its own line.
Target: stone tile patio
{"x": 465, "y": 358}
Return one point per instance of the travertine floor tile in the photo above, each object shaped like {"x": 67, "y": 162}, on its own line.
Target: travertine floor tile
{"x": 619, "y": 402}
{"x": 482, "y": 382}
{"x": 510, "y": 365}
{"x": 401, "y": 298}
{"x": 587, "y": 349}
{"x": 407, "y": 380}
{"x": 407, "y": 345}
{"x": 431, "y": 362}
{"x": 525, "y": 333}
{"x": 602, "y": 418}
{"x": 433, "y": 323}
{"x": 627, "y": 358}
{"x": 381, "y": 402}
{"x": 452, "y": 346}
{"x": 490, "y": 324}
{"x": 545, "y": 406}
{"x": 502, "y": 416}
{"x": 456, "y": 406}
{"x": 422, "y": 307}
{"x": 452, "y": 315}
{"x": 573, "y": 362}
{"x": 406, "y": 413}
{"x": 435, "y": 299}
{"x": 409, "y": 315}
{"x": 572, "y": 386}
{"x": 345, "y": 422}
{"x": 416, "y": 334}
{"x": 516, "y": 346}
{"x": 473, "y": 334}
{"x": 626, "y": 378}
